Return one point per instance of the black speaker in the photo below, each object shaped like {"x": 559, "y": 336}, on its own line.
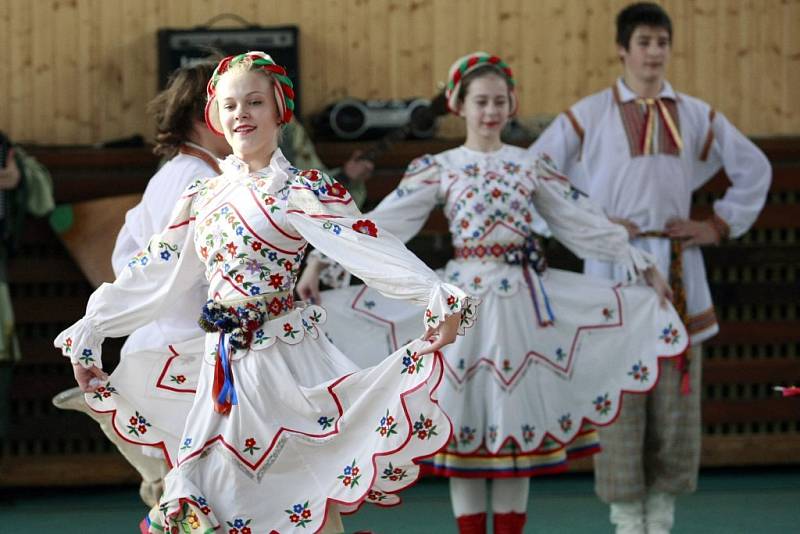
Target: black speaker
{"x": 178, "y": 48}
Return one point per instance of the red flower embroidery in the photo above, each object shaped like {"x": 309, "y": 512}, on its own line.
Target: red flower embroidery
{"x": 287, "y": 327}
{"x": 269, "y": 201}
{"x": 218, "y": 257}
{"x": 275, "y": 306}
{"x": 250, "y": 442}
{"x": 256, "y": 245}
{"x": 306, "y": 513}
{"x": 311, "y": 174}
{"x": 496, "y": 193}
{"x": 231, "y": 249}
{"x": 204, "y": 252}
{"x": 337, "y": 190}
{"x": 367, "y": 227}
{"x": 288, "y": 265}
{"x": 276, "y": 280}
{"x": 451, "y": 300}
{"x": 239, "y": 278}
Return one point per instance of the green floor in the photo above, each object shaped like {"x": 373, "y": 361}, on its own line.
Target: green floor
{"x": 727, "y": 502}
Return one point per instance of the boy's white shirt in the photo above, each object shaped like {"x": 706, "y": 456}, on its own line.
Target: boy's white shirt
{"x": 650, "y": 190}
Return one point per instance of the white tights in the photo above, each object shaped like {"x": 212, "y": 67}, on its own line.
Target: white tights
{"x": 468, "y": 495}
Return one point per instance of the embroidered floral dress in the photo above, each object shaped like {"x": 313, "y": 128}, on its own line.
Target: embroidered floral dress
{"x": 552, "y": 350}
{"x": 283, "y": 424}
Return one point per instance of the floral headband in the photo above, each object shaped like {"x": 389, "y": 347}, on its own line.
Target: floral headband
{"x": 467, "y": 64}
{"x": 283, "y": 87}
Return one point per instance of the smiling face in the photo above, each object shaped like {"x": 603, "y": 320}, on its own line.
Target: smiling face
{"x": 249, "y": 116}
{"x": 486, "y": 107}
{"x": 645, "y": 60}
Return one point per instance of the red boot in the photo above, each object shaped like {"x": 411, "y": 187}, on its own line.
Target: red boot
{"x": 510, "y": 523}
{"x": 472, "y": 524}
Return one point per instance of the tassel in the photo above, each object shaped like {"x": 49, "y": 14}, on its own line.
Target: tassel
{"x": 683, "y": 366}
{"x": 545, "y": 302}
{"x": 686, "y": 387}
{"x": 223, "y": 391}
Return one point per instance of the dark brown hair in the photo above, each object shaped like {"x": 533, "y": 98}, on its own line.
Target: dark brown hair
{"x": 179, "y": 105}
{"x": 640, "y": 14}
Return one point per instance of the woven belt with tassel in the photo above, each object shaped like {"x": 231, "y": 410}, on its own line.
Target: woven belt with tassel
{"x": 238, "y": 320}
{"x": 527, "y": 254}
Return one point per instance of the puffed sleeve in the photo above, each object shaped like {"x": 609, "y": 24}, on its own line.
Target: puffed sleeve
{"x": 745, "y": 165}
{"x": 562, "y": 141}
{"x": 579, "y": 224}
{"x": 402, "y": 212}
{"x": 168, "y": 264}
{"x": 326, "y": 216}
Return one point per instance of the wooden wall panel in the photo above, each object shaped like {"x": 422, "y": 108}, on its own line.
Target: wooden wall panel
{"x": 81, "y": 71}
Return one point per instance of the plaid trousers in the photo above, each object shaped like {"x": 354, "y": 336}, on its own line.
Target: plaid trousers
{"x": 654, "y": 445}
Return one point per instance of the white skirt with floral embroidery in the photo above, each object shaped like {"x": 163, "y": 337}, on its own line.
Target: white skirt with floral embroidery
{"x": 524, "y": 385}
{"x": 300, "y": 440}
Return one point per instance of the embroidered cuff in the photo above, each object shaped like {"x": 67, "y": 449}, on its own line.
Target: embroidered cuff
{"x": 638, "y": 262}
{"x": 81, "y": 345}
{"x": 447, "y": 300}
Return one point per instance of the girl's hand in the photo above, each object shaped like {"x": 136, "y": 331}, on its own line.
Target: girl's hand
{"x": 358, "y": 170}
{"x": 632, "y": 228}
{"x": 308, "y": 285}
{"x": 694, "y": 233}
{"x": 444, "y": 334}
{"x": 657, "y": 282}
{"x": 88, "y": 378}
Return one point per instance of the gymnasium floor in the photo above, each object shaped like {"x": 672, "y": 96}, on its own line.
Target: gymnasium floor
{"x": 727, "y": 502}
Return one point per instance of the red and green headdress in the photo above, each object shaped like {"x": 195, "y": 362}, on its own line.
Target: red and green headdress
{"x": 284, "y": 92}
{"x": 467, "y": 64}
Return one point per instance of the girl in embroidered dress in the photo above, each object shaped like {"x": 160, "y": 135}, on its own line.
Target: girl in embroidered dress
{"x": 554, "y": 350}
{"x": 284, "y": 431}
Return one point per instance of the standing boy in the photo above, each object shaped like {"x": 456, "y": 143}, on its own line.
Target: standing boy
{"x": 639, "y": 149}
